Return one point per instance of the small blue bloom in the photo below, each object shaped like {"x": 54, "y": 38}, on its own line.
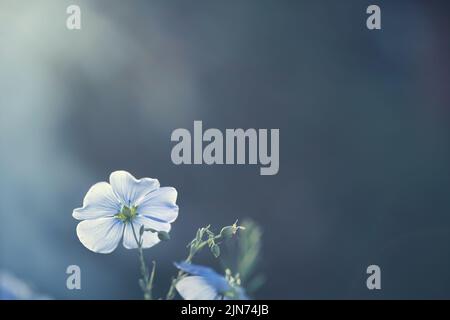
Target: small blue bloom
{"x": 12, "y": 288}
{"x": 206, "y": 284}
{"x": 119, "y": 208}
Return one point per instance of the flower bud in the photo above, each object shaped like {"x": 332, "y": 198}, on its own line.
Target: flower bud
{"x": 227, "y": 232}
{"x": 215, "y": 249}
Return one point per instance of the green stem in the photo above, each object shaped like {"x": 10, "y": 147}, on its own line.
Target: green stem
{"x": 147, "y": 281}
{"x": 152, "y": 277}
{"x": 194, "y": 250}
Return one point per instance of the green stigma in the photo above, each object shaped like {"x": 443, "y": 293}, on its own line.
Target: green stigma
{"x": 127, "y": 214}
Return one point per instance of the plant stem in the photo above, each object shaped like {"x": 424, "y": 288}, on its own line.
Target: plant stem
{"x": 146, "y": 279}
{"x": 193, "y": 251}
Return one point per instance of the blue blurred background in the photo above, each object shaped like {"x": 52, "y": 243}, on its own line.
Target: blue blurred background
{"x": 364, "y": 124}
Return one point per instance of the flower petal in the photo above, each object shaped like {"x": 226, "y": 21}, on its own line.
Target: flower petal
{"x": 160, "y": 204}
{"x": 130, "y": 190}
{"x": 149, "y": 222}
{"x": 100, "y": 201}
{"x": 100, "y": 235}
{"x": 129, "y": 239}
{"x": 209, "y": 275}
{"x": 196, "y": 288}
{"x": 195, "y": 269}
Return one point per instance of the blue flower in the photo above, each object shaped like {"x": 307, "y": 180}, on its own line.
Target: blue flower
{"x": 119, "y": 208}
{"x": 206, "y": 284}
{"x": 12, "y": 288}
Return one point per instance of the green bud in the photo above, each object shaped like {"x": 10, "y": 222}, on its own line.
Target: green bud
{"x": 163, "y": 236}
{"x": 215, "y": 249}
{"x": 227, "y": 232}
{"x": 141, "y": 230}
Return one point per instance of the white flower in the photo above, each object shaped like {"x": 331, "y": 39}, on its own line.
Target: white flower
{"x": 206, "y": 284}
{"x": 119, "y": 208}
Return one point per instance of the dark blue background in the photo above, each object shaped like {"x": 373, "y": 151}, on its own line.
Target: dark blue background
{"x": 364, "y": 125}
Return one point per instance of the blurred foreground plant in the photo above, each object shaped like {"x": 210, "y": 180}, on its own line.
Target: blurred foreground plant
{"x": 246, "y": 256}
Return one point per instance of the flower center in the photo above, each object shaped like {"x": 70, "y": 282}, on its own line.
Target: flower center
{"x": 127, "y": 214}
